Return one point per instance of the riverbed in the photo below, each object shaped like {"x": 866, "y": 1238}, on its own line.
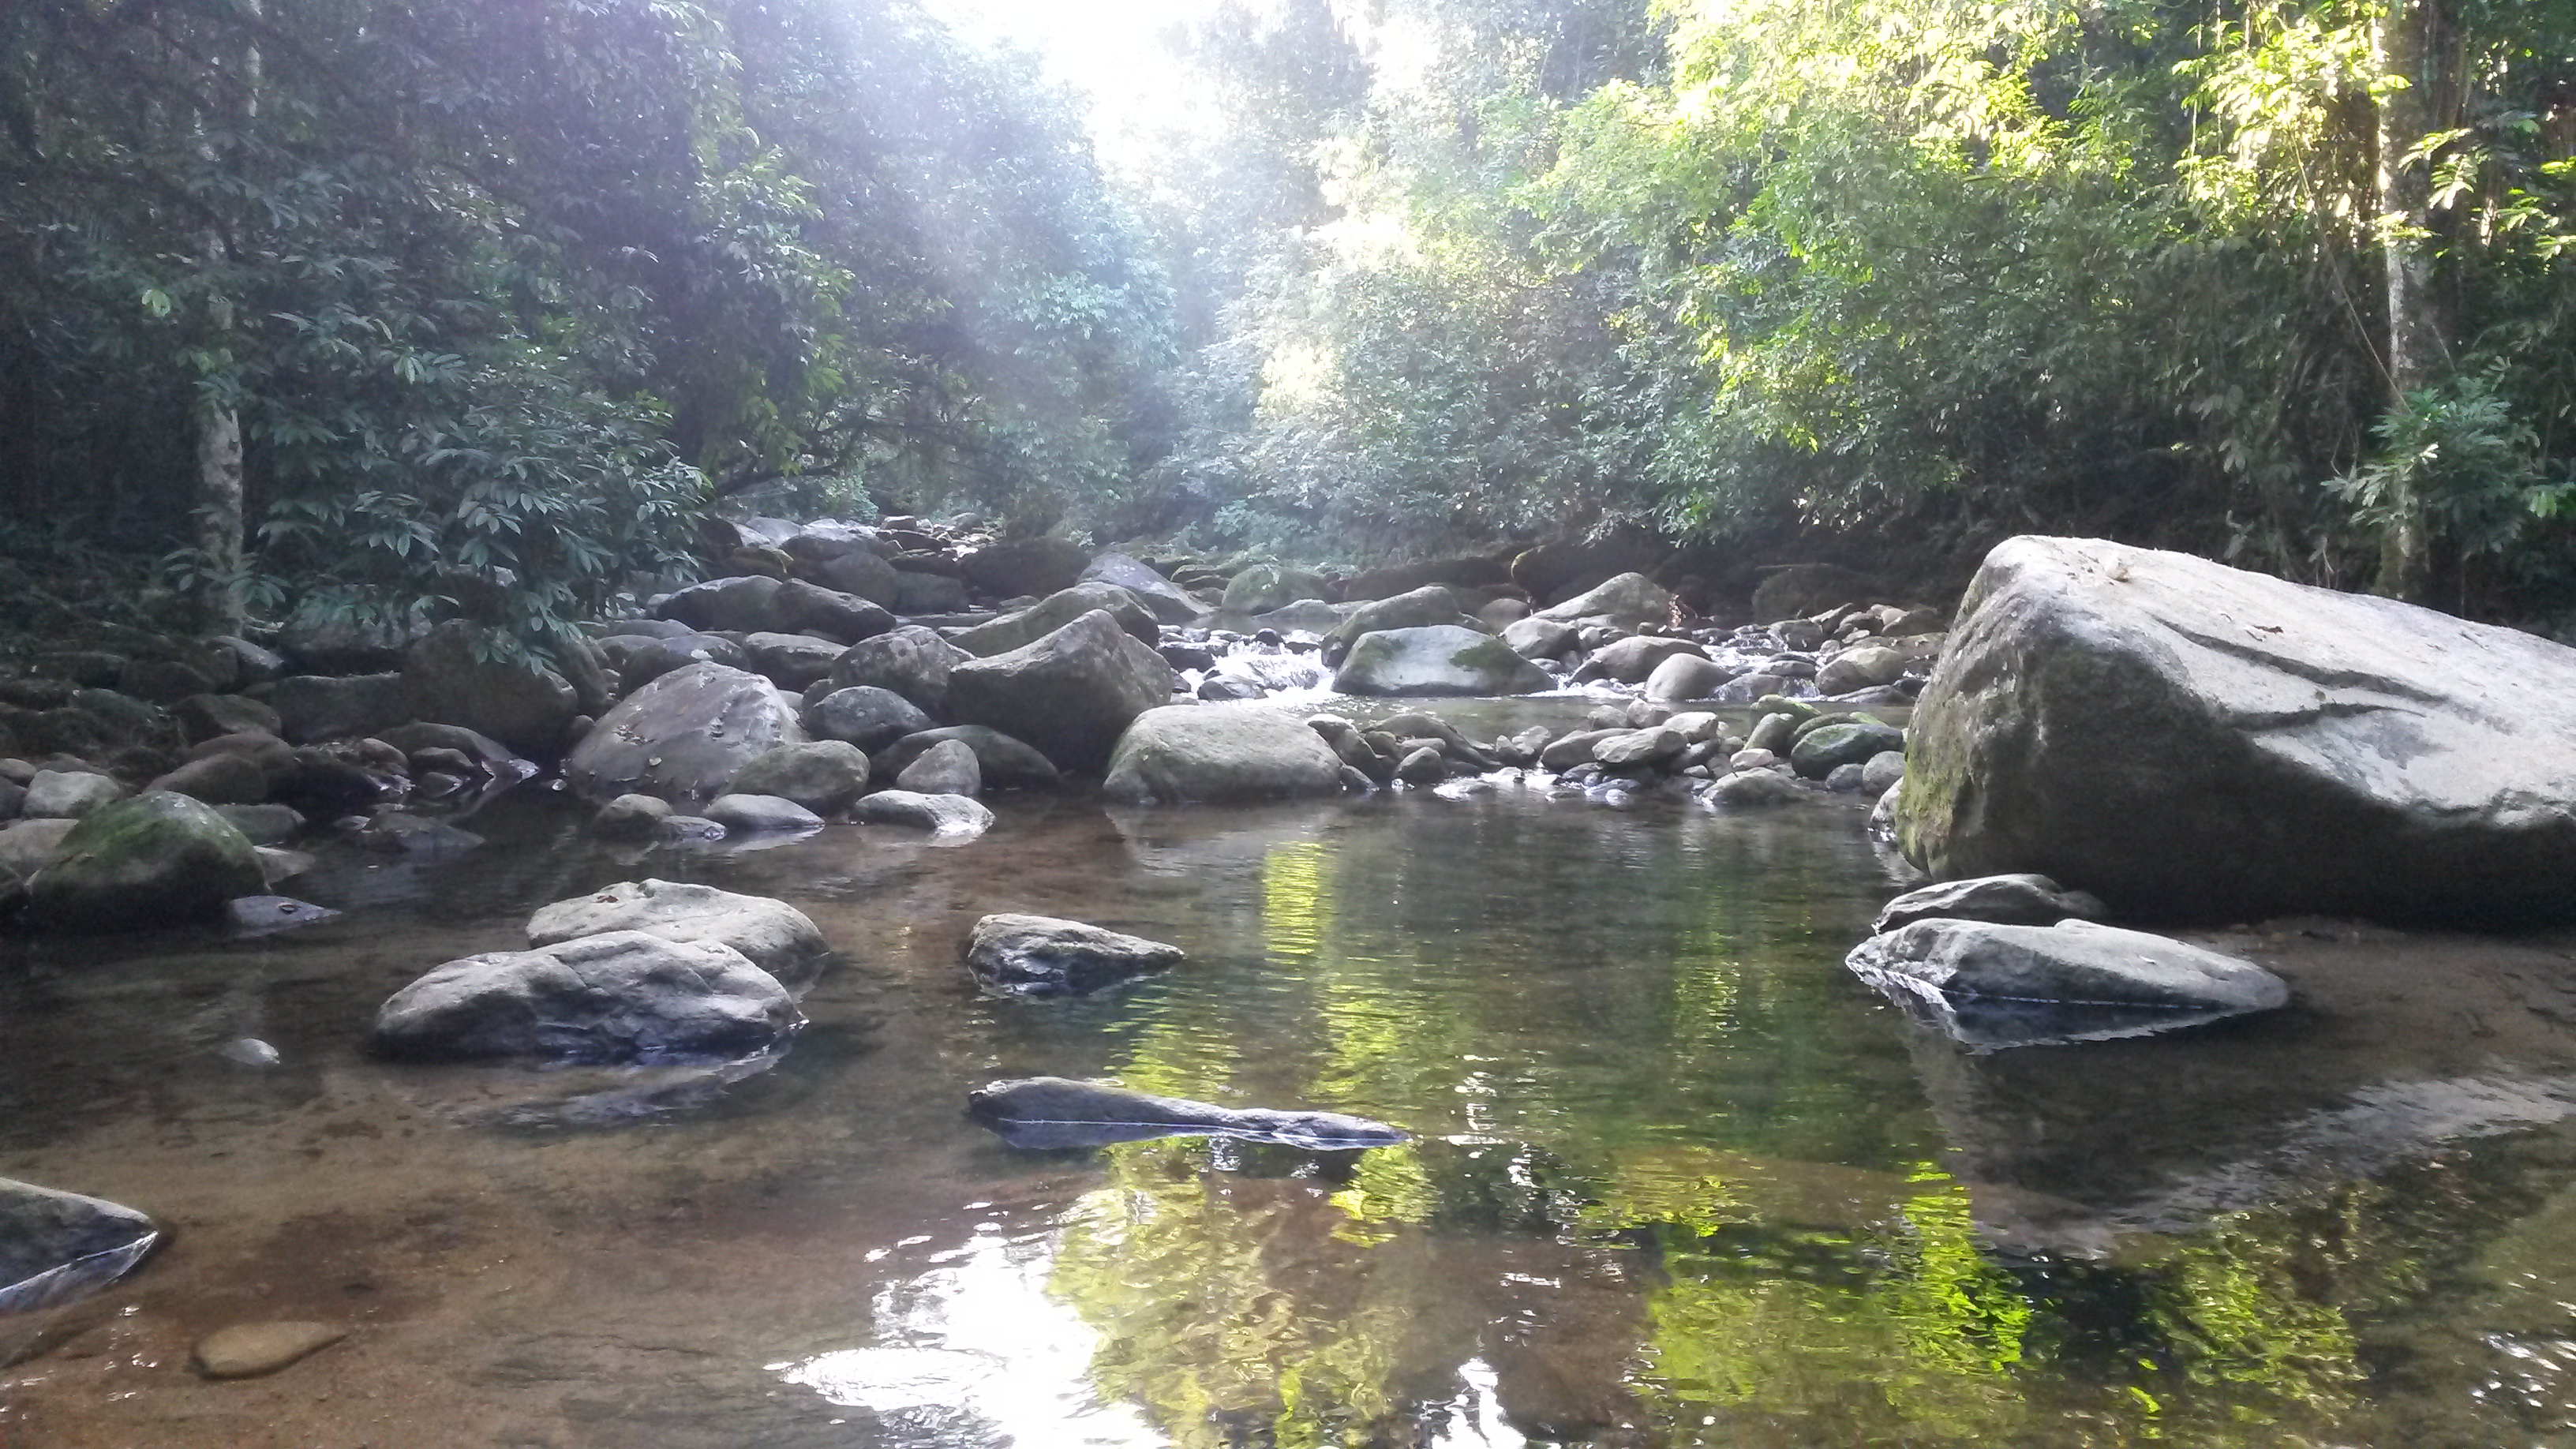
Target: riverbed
{"x": 1675, "y": 1177}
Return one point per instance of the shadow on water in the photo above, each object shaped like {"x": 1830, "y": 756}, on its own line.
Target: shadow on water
{"x": 1674, "y": 1177}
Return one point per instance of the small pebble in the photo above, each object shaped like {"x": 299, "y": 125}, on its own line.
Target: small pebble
{"x": 247, "y": 1350}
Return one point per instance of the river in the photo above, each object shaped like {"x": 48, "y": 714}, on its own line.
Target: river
{"x": 1676, "y": 1178}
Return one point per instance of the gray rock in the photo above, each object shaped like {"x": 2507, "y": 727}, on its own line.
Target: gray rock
{"x": 1267, "y": 672}
{"x": 742, "y": 814}
{"x": 864, "y": 715}
{"x": 445, "y": 679}
{"x": 401, "y": 832}
{"x": 1639, "y": 749}
{"x": 1751, "y": 790}
{"x": 911, "y": 661}
{"x": 249, "y": 1350}
{"x": 620, "y": 996}
{"x": 1882, "y": 771}
{"x": 1438, "y": 659}
{"x": 1221, "y": 752}
{"x": 1634, "y": 659}
{"x": 1310, "y": 615}
{"x": 1818, "y": 751}
{"x": 2071, "y": 963}
{"x": 1021, "y": 955}
{"x": 842, "y": 616}
{"x": 1532, "y": 637}
{"x": 27, "y": 845}
{"x": 1005, "y": 763}
{"x": 1024, "y": 566}
{"x": 1629, "y": 601}
{"x": 2004, "y": 900}
{"x": 1684, "y": 676}
{"x": 771, "y": 934}
{"x": 823, "y": 776}
{"x": 1860, "y": 667}
{"x": 859, "y": 573}
{"x": 683, "y": 737}
{"x": 221, "y": 778}
{"x": 1577, "y": 748}
{"x": 631, "y": 817}
{"x": 154, "y": 859}
{"x": 56, "y": 1246}
{"x": 919, "y": 592}
{"x": 269, "y": 824}
{"x": 791, "y": 661}
{"x": 1070, "y": 694}
{"x": 1416, "y": 608}
{"x": 68, "y": 794}
{"x": 1055, "y": 1113}
{"x": 268, "y": 915}
{"x": 1846, "y": 779}
{"x": 1422, "y": 765}
{"x": 950, "y": 816}
{"x": 738, "y": 604}
{"x": 2190, "y": 740}
{"x": 205, "y": 716}
{"x": 946, "y": 768}
{"x": 312, "y": 708}
{"x": 1170, "y": 604}
{"x": 1751, "y": 759}
{"x": 1799, "y": 589}
{"x": 639, "y": 660}
{"x": 1027, "y": 626}
{"x": 1260, "y": 588}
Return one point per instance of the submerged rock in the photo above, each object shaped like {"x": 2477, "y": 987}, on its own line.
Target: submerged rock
{"x": 1985, "y": 982}
{"x": 2190, "y": 740}
{"x": 268, "y": 915}
{"x": 1055, "y": 1112}
{"x": 1021, "y": 955}
{"x": 56, "y": 1246}
{"x": 248, "y": 1350}
{"x": 152, "y": 859}
{"x": 619, "y": 996}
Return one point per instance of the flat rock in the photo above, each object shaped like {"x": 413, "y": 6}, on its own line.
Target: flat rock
{"x": 2074, "y": 963}
{"x": 1056, "y": 1112}
{"x": 2005, "y": 900}
{"x": 1437, "y": 659}
{"x": 619, "y": 996}
{"x": 745, "y": 814}
{"x": 247, "y": 1350}
{"x": 1220, "y": 752}
{"x": 56, "y": 1246}
{"x": 949, "y": 816}
{"x": 1021, "y": 955}
{"x": 771, "y": 934}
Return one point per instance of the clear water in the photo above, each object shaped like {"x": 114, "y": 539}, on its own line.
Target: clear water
{"x": 1676, "y": 1178}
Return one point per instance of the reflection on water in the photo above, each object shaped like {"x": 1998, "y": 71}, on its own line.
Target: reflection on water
{"x": 1675, "y": 1178}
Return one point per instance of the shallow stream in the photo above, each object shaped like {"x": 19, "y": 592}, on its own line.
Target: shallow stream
{"x": 1676, "y": 1178}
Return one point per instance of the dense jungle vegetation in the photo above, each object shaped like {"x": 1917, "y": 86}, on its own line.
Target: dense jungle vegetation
{"x": 355, "y": 303}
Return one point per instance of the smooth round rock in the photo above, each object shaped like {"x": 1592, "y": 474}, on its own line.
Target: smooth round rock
{"x": 247, "y": 1350}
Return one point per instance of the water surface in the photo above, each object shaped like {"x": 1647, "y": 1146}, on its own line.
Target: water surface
{"x": 1676, "y": 1178}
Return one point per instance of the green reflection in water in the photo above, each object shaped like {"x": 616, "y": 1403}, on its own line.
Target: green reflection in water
{"x": 1632, "y": 1204}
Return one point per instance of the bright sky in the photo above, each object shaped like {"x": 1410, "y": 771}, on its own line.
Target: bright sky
{"x": 1106, "y": 49}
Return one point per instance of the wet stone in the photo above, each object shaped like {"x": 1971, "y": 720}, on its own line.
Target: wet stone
{"x": 248, "y": 1350}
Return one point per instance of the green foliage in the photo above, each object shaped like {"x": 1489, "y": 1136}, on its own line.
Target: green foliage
{"x": 2459, "y": 449}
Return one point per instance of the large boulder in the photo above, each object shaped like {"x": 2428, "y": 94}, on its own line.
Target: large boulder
{"x": 1014, "y": 631}
{"x": 824, "y": 776}
{"x": 742, "y": 603}
{"x": 1259, "y": 588}
{"x": 315, "y": 707}
{"x": 912, "y": 661}
{"x": 1798, "y": 589}
{"x": 863, "y": 715}
{"x": 452, "y": 676}
{"x": 1629, "y": 601}
{"x": 773, "y": 935}
{"x": 1220, "y": 752}
{"x": 1024, "y": 566}
{"x": 1070, "y": 694}
{"x": 617, "y": 997}
{"x": 1004, "y": 762}
{"x": 1430, "y": 604}
{"x": 842, "y": 616}
{"x": 154, "y": 859}
{"x": 1437, "y": 659}
{"x": 1021, "y": 955}
{"x": 793, "y": 662}
{"x": 1171, "y": 604}
{"x": 55, "y": 1246}
{"x": 2189, "y": 740}
{"x": 683, "y": 737}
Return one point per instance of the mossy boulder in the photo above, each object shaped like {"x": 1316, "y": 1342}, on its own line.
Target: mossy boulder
{"x": 157, "y": 858}
{"x": 1437, "y": 659}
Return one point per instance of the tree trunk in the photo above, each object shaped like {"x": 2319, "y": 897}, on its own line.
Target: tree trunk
{"x": 2409, "y": 45}
{"x": 220, "y": 491}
